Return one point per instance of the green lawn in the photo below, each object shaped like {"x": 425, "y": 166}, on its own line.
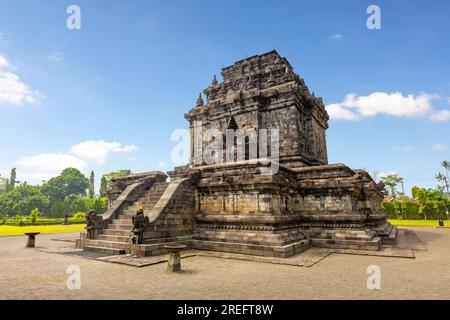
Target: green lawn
{"x": 419, "y": 223}
{"x": 19, "y": 231}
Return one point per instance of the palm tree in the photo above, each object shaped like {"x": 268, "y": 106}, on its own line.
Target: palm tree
{"x": 391, "y": 181}
{"x": 446, "y": 165}
{"x": 442, "y": 180}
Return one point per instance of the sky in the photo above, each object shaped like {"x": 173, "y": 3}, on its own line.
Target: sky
{"x": 109, "y": 95}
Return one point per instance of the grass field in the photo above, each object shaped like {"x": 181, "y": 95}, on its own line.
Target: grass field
{"x": 419, "y": 223}
{"x": 19, "y": 231}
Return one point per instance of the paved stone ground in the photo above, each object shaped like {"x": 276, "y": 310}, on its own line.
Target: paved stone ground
{"x": 33, "y": 274}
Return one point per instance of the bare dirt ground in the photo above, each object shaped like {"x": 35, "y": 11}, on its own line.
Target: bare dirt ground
{"x": 33, "y": 274}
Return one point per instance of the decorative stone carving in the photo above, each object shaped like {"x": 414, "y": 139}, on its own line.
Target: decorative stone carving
{"x": 264, "y": 93}
{"x": 140, "y": 222}
{"x": 93, "y": 222}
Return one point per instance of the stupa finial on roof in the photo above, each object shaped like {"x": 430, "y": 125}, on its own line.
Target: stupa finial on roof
{"x": 200, "y": 100}
{"x": 214, "y": 81}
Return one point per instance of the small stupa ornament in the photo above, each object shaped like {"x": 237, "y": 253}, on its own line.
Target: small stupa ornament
{"x": 214, "y": 81}
{"x": 200, "y": 100}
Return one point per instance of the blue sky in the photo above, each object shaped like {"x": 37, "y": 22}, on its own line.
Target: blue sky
{"x": 109, "y": 96}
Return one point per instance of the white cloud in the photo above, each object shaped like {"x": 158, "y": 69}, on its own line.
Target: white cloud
{"x": 161, "y": 164}
{"x": 338, "y": 112}
{"x": 55, "y": 56}
{"x": 442, "y": 115}
{"x": 439, "y": 147}
{"x": 4, "y": 64}
{"x": 405, "y": 149}
{"x": 337, "y": 36}
{"x": 13, "y": 91}
{"x": 44, "y": 166}
{"x": 100, "y": 150}
{"x": 356, "y": 107}
{"x": 383, "y": 174}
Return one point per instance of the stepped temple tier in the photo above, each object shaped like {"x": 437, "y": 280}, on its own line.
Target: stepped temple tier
{"x": 271, "y": 193}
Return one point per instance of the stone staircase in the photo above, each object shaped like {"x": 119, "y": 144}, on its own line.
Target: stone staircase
{"x": 116, "y": 237}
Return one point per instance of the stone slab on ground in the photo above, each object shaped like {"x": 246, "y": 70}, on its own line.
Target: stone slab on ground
{"x": 73, "y": 252}
{"x": 307, "y": 258}
{"x": 130, "y": 260}
{"x": 408, "y": 241}
{"x": 126, "y": 259}
{"x": 304, "y": 259}
{"x": 384, "y": 252}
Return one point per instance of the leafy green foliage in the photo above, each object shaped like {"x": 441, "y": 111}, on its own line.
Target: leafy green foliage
{"x": 34, "y": 216}
{"x": 430, "y": 204}
{"x": 103, "y": 183}
{"x": 20, "y": 220}
{"x": 12, "y": 180}
{"x": 91, "y": 190}
{"x": 71, "y": 182}
{"x": 392, "y": 181}
{"x": 3, "y": 184}
{"x": 106, "y": 179}
{"x": 85, "y": 204}
{"x": 115, "y": 174}
{"x": 23, "y": 199}
{"x": 60, "y": 196}
{"x": 79, "y": 215}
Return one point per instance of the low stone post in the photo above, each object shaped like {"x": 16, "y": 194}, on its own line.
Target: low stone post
{"x": 134, "y": 246}
{"x": 31, "y": 239}
{"x": 79, "y": 243}
{"x": 174, "y": 264}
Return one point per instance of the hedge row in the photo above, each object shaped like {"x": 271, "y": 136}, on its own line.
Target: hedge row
{"x": 40, "y": 222}
{"x": 411, "y": 210}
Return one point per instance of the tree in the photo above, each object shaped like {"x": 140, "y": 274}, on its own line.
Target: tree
{"x": 91, "y": 185}
{"x": 103, "y": 186}
{"x": 22, "y": 200}
{"x": 71, "y": 182}
{"x": 111, "y": 175}
{"x": 12, "y": 180}
{"x": 85, "y": 204}
{"x": 428, "y": 199}
{"x": 118, "y": 173}
{"x": 3, "y": 184}
{"x": 443, "y": 182}
{"x": 391, "y": 181}
{"x": 446, "y": 165}
{"x": 34, "y": 214}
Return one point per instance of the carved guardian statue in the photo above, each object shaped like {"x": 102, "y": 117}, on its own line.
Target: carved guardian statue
{"x": 93, "y": 222}
{"x": 139, "y": 223}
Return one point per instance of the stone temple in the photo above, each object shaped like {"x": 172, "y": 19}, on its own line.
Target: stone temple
{"x": 233, "y": 204}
